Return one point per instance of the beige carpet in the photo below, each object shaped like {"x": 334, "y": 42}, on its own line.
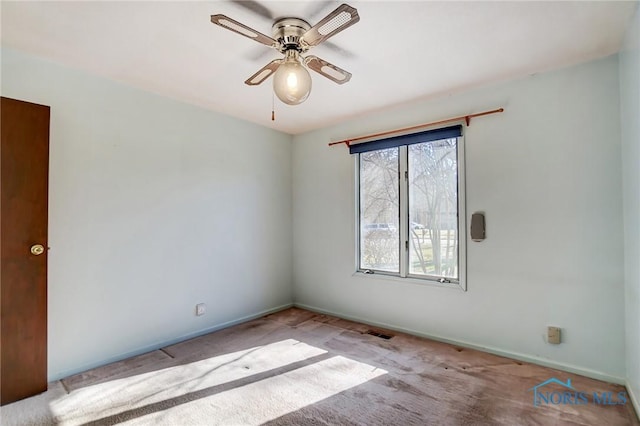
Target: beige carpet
{"x": 297, "y": 367}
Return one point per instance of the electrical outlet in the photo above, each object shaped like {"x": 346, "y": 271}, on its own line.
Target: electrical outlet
{"x": 553, "y": 335}
{"x": 201, "y": 308}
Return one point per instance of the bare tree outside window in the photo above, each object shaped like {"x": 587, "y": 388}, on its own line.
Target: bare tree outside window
{"x": 433, "y": 208}
{"x": 411, "y": 206}
{"x": 379, "y": 210}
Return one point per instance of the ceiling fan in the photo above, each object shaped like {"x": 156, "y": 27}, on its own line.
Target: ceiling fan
{"x": 293, "y": 37}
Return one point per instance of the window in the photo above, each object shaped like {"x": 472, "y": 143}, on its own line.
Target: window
{"x": 411, "y": 206}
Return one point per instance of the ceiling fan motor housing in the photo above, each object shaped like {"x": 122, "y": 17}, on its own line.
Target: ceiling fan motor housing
{"x": 288, "y": 32}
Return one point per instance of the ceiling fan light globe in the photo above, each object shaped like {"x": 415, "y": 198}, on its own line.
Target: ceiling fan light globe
{"x": 292, "y": 83}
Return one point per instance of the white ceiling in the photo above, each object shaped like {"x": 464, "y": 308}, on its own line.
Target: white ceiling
{"x": 398, "y": 52}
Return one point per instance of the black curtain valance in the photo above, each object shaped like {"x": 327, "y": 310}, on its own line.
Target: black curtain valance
{"x": 396, "y": 141}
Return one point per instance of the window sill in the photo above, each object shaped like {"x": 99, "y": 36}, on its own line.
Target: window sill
{"x": 409, "y": 280}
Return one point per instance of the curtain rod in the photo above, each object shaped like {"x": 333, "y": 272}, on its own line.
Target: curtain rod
{"x": 466, "y": 118}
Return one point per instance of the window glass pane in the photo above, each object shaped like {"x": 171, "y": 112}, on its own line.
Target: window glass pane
{"x": 433, "y": 208}
{"x": 379, "y": 210}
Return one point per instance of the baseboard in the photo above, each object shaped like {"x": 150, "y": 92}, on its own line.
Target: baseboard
{"x": 66, "y": 373}
{"x": 492, "y": 350}
{"x": 634, "y": 399}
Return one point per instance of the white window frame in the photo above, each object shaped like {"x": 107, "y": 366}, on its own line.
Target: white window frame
{"x": 403, "y": 275}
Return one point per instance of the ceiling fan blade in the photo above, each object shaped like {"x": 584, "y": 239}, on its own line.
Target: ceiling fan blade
{"x": 340, "y": 19}
{"x": 255, "y": 7}
{"x": 316, "y": 7}
{"x": 328, "y": 70}
{"x": 237, "y": 27}
{"x": 338, "y": 49}
{"x": 263, "y": 73}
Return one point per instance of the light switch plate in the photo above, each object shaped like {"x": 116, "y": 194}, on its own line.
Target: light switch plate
{"x": 553, "y": 335}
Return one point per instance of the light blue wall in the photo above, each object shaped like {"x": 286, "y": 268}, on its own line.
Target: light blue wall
{"x": 155, "y": 206}
{"x": 546, "y": 172}
{"x": 630, "y": 126}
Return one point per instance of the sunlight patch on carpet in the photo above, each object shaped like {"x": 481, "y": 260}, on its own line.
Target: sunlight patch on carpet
{"x": 179, "y": 385}
{"x": 268, "y": 399}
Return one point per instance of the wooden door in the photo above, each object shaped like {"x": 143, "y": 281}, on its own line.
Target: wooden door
{"x": 23, "y": 249}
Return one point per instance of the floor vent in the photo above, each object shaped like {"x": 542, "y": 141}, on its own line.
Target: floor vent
{"x": 380, "y": 335}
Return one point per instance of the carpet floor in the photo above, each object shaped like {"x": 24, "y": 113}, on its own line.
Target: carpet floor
{"x": 299, "y": 367}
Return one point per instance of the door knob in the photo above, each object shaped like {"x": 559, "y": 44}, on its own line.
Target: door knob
{"x": 37, "y": 249}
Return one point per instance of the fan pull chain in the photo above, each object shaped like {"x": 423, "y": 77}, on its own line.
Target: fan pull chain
{"x": 273, "y": 107}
